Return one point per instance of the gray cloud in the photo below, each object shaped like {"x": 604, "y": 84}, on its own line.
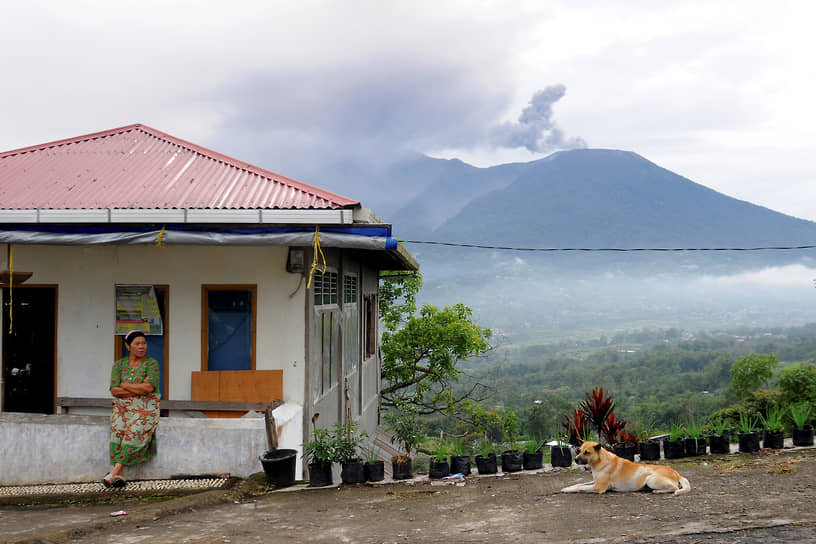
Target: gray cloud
{"x": 536, "y": 130}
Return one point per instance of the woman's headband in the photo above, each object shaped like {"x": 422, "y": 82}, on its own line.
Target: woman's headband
{"x": 132, "y": 335}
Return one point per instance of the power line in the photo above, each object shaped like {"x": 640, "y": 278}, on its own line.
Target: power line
{"x": 609, "y": 249}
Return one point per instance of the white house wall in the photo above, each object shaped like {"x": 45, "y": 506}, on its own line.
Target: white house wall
{"x": 86, "y": 276}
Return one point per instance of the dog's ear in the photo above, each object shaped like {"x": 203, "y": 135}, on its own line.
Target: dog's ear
{"x": 580, "y": 442}
{"x": 598, "y": 447}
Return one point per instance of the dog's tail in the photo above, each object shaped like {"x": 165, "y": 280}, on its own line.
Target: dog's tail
{"x": 685, "y": 486}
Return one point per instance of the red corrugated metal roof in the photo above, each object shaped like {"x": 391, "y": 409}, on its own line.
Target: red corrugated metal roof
{"x": 140, "y": 167}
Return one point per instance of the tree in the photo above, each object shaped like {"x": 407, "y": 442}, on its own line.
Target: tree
{"x": 751, "y": 372}
{"x": 421, "y": 351}
{"x": 798, "y": 383}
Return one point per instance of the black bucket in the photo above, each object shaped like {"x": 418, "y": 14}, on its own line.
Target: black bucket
{"x": 695, "y": 446}
{"x": 279, "y": 467}
{"x": 320, "y": 474}
{"x": 403, "y": 470}
{"x": 650, "y": 450}
{"x": 774, "y": 440}
{"x": 561, "y": 456}
{"x": 532, "y": 461}
{"x": 803, "y": 436}
{"x": 353, "y": 472}
{"x": 674, "y": 449}
{"x": 438, "y": 469}
{"x": 511, "y": 461}
{"x": 487, "y": 465}
{"x": 719, "y": 443}
{"x": 460, "y": 464}
{"x": 748, "y": 442}
{"x": 625, "y": 450}
{"x": 375, "y": 472}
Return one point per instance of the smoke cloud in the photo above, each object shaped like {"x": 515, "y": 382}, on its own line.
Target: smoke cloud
{"x": 536, "y": 130}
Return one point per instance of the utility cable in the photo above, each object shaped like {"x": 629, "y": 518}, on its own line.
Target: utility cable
{"x": 608, "y": 249}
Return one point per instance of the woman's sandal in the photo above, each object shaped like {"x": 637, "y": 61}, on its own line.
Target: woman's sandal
{"x": 106, "y": 480}
{"x": 119, "y": 482}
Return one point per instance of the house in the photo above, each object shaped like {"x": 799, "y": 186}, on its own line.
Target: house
{"x": 252, "y": 287}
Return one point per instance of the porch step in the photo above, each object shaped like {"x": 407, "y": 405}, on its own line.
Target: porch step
{"x": 385, "y": 449}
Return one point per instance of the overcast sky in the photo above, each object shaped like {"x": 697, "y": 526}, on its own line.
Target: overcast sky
{"x": 719, "y": 92}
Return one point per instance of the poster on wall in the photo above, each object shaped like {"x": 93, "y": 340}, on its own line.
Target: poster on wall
{"x": 137, "y": 309}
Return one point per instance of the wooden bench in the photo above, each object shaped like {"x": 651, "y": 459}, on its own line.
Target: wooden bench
{"x": 64, "y": 405}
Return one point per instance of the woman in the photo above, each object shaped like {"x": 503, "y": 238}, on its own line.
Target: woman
{"x": 134, "y": 384}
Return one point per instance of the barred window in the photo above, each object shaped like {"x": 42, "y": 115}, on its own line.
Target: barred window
{"x": 325, "y": 288}
{"x": 349, "y": 289}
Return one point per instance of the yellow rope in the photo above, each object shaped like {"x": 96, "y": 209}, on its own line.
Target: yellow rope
{"x": 159, "y": 242}
{"x": 315, "y": 250}
{"x": 11, "y": 286}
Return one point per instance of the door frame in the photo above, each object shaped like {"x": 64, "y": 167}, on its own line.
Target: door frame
{"x": 55, "y": 288}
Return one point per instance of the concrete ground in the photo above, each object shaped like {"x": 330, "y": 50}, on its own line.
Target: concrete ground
{"x": 766, "y": 497}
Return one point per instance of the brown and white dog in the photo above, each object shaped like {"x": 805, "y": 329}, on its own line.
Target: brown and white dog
{"x": 613, "y": 473}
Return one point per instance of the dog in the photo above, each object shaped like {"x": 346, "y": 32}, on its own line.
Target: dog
{"x": 613, "y": 473}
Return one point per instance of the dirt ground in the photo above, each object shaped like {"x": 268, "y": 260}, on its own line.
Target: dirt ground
{"x": 768, "y": 497}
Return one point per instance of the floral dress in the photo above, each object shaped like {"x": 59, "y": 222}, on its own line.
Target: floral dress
{"x": 134, "y": 420}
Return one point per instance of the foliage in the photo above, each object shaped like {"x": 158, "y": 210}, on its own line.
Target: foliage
{"x": 348, "y": 441}
{"x": 773, "y": 419}
{"x": 613, "y": 428}
{"x": 694, "y": 427}
{"x": 747, "y": 423}
{"x": 800, "y": 414}
{"x": 511, "y": 427}
{"x": 719, "y": 425}
{"x": 676, "y": 431}
{"x": 577, "y": 428}
{"x": 751, "y": 372}
{"x": 597, "y": 408}
{"x": 420, "y": 360}
{"x": 442, "y": 452}
{"x": 397, "y": 297}
{"x": 455, "y": 447}
{"x": 480, "y": 420}
{"x": 406, "y": 429}
{"x": 320, "y": 449}
{"x": 533, "y": 446}
{"x": 798, "y": 383}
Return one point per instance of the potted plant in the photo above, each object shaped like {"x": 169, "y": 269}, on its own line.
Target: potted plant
{"x": 374, "y": 466}
{"x": 511, "y": 457}
{"x": 674, "y": 446}
{"x": 560, "y": 454}
{"x": 747, "y": 437}
{"x": 439, "y": 466}
{"x": 695, "y": 443}
{"x": 774, "y": 436}
{"x": 406, "y": 430}
{"x": 625, "y": 444}
{"x": 459, "y": 463}
{"x": 533, "y": 456}
{"x": 648, "y": 448}
{"x": 718, "y": 440}
{"x": 486, "y": 460}
{"x": 802, "y": 432}
{"x": 347, "y": 442}
{"x": 319, "y": 454}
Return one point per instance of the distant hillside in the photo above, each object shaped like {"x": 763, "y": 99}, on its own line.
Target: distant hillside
{"x": 595, "y": 198}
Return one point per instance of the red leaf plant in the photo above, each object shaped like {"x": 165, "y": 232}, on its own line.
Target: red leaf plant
{"x": 597, "y": 408}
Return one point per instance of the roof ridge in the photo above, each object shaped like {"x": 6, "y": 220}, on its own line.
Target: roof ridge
{"x": 196, "y": 148}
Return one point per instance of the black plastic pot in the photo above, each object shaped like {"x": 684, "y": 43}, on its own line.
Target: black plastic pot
{"x": 487, "y": 465}
{"x": 625, "y": 450}
{"x": 748, "y": 442}
{"x": 402, "y": 470}
{"x": 674, "y": 449}
{"x": 650, "y": 450}
{"x": 353, "y": 472}
{"x": 375, "y": 472}
{"x": 438, "y": 469}
{"x": 803, "y": 436}
{"x": 511, "y": 461}
{"x": 774, "y": 440}
{"x": 532, "y": 461}
{"x": 279, "y": 467}
{"x": 560, "y": 456}
{"x": 719, "y": 443}
{"x": 320, "y": 474}
{"x": 694, "y": 446}
{"x": 460, "y": 464}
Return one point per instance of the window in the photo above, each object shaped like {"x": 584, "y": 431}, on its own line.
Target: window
{"x": 351, "y": 325}
{"x": 325, "y": 288}
{"x": 349, "y": 289}
{"x": 228, "y": 327}
{"x": 370, "y": 317}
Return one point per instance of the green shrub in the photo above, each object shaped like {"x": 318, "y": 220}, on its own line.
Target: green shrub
{"x": 797, "y": 383}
